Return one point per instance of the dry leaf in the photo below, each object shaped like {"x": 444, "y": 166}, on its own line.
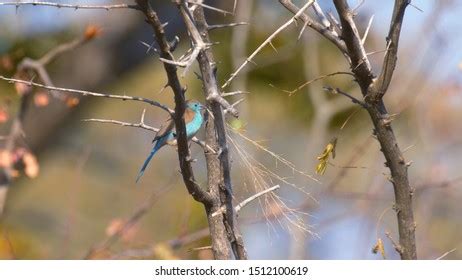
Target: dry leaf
{"x": 41, "y": 99}
{"x": 378, "y": 247}
{"x": 31, "y": 166}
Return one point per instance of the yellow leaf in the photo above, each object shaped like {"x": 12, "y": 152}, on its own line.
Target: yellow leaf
{"x": 378, "y": 247}
{"x": 324, "y": 157}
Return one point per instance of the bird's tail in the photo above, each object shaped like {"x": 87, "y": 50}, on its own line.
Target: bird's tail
{"x": 154, "y": 150}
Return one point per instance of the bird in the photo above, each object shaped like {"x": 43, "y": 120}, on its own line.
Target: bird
{"x": 167, "y": 134}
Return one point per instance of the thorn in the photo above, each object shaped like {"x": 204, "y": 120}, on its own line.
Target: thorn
{"x": 412, "y": 191}
{"x": 174, "y": 43}
{"x": 390, "y": 179}
{"x": 396, "y": 208}
{"x": 220, "y": 151}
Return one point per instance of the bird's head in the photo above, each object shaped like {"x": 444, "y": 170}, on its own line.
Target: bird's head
{"x": 195, "y": 105}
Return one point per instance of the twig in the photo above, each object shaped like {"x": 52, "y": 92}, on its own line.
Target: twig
{"x": 241, "y": 205}
{"x": 397, "y": 247}
{"x": 447, "y": 253}
{"x": 90, "y": 93}
{"x": 217, "y": 26}
{"x": 389, "y": 62}
{"x": 352, "y": 98}
{"x": 210, "y": 7}
{"x": 226, "y": 94}
{"x": 317, "y": 9}
{"x": 318, "y": 27}
{"x": 71, "y": 6}
{"x": 267, "y": 41}
{"x": 146, "y": 127}
{"x": 291, "y": 92}
{"x": 200, "y": 248}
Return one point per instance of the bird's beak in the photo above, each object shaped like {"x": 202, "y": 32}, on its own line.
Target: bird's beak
{"x": 202, "y": 107}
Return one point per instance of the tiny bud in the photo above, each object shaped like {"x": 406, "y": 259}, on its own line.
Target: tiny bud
{"x": 91, "y": 32}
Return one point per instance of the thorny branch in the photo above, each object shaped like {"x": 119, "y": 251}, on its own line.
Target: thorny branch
{"x": 298, "y": 14}
{"x": 70, "y": 6}
{"x": 194, "y": 189}
{"x": 351, "y": 45}
{"x": 142, "y": 125}
{"x": 90, "y": 93}
{"x": 218, "y": 166}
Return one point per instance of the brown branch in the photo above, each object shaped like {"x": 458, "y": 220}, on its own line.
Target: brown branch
{"x": 389, "y": 62}
{"x": 359, "y": 62}
{"x": 225, "y": 230}
{"x": 194, "y": 189}
{"x": 382, "y": 124}
{"x": 351, "y": 45}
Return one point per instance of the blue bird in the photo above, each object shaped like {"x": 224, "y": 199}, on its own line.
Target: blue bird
{"x": 167, "y": 134}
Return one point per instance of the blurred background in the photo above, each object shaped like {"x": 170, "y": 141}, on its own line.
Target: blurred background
{"x": 77, "y": 195}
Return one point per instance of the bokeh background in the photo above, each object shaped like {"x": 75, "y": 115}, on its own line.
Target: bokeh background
{"x": 85, "y": 189}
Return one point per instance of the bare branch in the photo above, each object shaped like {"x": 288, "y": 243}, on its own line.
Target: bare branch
{"x": 194, "y": 189}
{"x": 71, "y": 6}
{"x": 397, "y": 247}
{"x": 90, "y": 93}
{"x": 233, "y": 93}
{"x": 300, "y": 87}
{"x": 360, "y": 64}
{"x": 142, "y": 125}
{"x": 317, "y": 9}
{"x": 241, "y": 205}
{"x": 389, "y": 62}
{"x": 352, "y": 98}
{"x": 268, "y": 41}
{"x": 218, "y": 166}
{"x": 328, "y": 34}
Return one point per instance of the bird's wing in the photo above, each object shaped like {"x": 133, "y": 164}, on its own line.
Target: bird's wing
{"x": 166, "y": 127}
